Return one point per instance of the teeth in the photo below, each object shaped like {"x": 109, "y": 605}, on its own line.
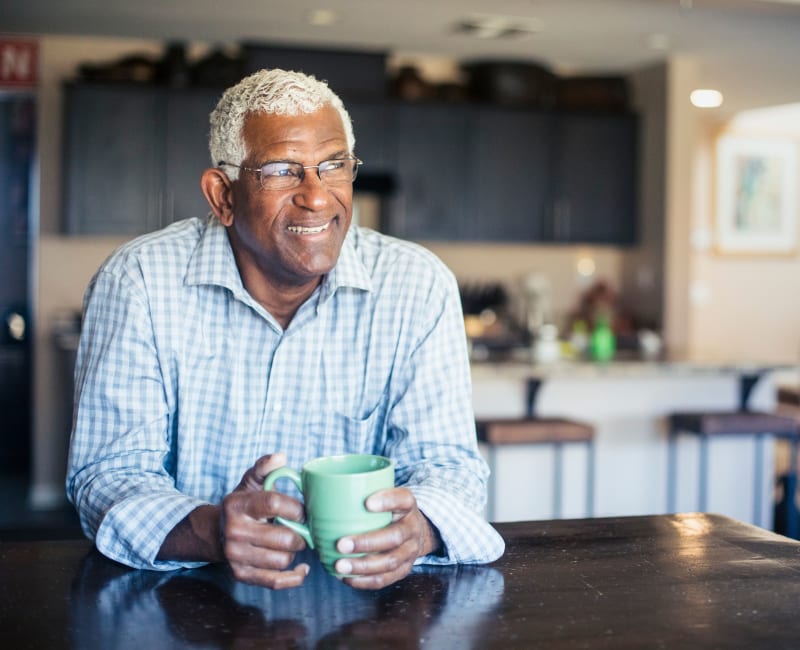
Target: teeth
{"x": 302, "y": 230}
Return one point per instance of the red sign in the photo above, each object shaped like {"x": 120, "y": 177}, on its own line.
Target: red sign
{"x": 18, "y": 63}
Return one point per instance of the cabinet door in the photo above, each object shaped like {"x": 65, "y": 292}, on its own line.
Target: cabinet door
{"x": 509, "y": 174}
{"x": 432, "y": 168}
{"x": 595, "y": 171}
{"x": 186, "y": 154}
{"x": 374, "y": 132}
{"x": 112, "y": 167}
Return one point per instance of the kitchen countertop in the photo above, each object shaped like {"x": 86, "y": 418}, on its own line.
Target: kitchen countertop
{"x": 515, "y": 368}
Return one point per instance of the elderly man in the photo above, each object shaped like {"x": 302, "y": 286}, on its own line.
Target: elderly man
{"x": 272, "y": 332}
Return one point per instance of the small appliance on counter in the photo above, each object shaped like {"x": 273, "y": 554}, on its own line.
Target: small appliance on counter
{"x": 491, "y": 330}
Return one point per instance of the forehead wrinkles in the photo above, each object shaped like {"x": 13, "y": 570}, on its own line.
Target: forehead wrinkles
{"x": 313, "y": 134}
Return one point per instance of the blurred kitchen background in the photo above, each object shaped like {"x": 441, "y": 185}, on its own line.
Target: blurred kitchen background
{"x": 547, "y": 151}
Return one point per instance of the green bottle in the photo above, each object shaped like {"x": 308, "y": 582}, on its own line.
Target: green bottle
{"x": 602, "y": 343}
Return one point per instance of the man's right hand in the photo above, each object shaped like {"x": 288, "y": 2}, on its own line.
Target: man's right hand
{"x": 258, "y": 550}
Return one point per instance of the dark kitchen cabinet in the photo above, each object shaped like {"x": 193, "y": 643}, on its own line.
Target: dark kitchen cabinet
{"x": 432, "y": 173}
{"x": 133, "y": 156}
{"x": 112, "y": 166}
{"x": 186, "y": 152}
{"x": 373, "y": 127}
{"x": 594, "y": 179}
{"x": 509, "y": 174}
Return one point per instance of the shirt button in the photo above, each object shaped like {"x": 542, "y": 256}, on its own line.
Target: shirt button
{"x": 277, "y": 407}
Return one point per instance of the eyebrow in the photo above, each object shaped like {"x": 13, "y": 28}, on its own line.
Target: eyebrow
{"x": 333, "y": 156}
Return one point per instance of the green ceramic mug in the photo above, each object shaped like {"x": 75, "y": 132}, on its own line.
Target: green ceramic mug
{"x": 334, "y": 490}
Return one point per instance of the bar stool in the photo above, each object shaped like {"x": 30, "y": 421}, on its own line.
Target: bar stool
{"x": 709, "y": 424}
{"x": 534, "y": 430}
{"x": 537, "y": 431}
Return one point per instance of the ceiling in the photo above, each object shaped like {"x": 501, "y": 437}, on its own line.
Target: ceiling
{"x": 749, "y": 49}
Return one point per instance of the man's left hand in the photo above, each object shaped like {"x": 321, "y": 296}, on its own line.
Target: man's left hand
{"x": 390, "y": 551}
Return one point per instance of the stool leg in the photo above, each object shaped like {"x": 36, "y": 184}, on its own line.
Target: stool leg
{"x": 672, "y": 470}
{"x": 558, "y": 463}
{"x": 492, "y": 483}
{"x": 703, "y": 486}
{"x": 758, "y": 478}
{"x": 791, "y": 488}
{"x": 590, "y": 479}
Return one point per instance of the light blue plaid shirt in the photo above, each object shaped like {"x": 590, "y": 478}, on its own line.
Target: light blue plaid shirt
{"x": 183, "y": 381}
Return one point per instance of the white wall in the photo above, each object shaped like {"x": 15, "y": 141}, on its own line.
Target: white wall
{"x": 747, "y": 303}
{"x": 64, "y": 264}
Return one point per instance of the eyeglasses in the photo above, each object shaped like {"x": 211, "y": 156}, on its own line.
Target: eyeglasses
{"x": 284, "y": 175}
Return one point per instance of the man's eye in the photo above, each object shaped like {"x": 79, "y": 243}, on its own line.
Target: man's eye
{"x": 332, "y": 165}
{"x": 279, "y": 170}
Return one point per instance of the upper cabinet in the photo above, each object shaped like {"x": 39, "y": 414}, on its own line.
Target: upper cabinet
{"x": 186, "y": 152}
{"x": 431, "y": 168}
{"x": 594, "y": 179}
{"x": 133, "y": 157}
{"x": 509, "y": 174}
{"x": 134, "y": 154}
{"x": 112, "y": 166}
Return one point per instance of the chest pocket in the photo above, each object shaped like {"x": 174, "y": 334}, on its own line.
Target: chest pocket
{"x": 353, "y": 414}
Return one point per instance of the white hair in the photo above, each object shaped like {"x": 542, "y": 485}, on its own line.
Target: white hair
{"x": 274, "y": 91}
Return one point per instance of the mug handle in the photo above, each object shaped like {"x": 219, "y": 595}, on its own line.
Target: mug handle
{"x": 294, "y": 477}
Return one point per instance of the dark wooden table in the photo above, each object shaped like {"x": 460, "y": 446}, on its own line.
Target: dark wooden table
{"x": 677, "y": 581}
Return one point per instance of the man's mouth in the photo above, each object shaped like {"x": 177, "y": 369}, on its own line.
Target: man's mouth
{"x": 308, "y": 230}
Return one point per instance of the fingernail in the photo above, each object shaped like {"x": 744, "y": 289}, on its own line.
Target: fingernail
{"x": 374, "y": 504}
{"x": 345, "y": 545}
{"x": 344, "y": 567}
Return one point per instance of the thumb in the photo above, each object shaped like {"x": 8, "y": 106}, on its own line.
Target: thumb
{"x": 254, "y": 477}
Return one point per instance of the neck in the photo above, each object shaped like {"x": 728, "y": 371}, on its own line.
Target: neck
{"x": 281, "y": 300}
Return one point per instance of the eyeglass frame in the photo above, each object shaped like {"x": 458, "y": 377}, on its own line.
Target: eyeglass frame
{"x": 301, "y": 178}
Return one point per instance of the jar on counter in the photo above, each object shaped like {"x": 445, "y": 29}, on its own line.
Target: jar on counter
{"x": 546, "y": 347}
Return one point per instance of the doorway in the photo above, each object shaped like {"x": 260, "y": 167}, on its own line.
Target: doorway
{"x": 17, "y": 156}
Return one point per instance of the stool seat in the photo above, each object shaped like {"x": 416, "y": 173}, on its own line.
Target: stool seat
{"x": 788, "y": 395}
{"x": 710, "y": 423}
{"x": 504, "y": 431}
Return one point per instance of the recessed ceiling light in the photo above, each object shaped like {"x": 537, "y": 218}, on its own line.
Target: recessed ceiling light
{"x": 491, "y": 26}
{"x": 706, "y": 98}
{"x": 322, "y": 17}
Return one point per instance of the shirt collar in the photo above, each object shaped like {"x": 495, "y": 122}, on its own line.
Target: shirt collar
{"x": 213, "y": 263}
{"x": 349, "y": 270}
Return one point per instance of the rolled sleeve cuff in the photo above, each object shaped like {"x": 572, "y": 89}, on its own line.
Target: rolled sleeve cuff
{"x": 466, "y": 536}
{"x": 133, "y": 531}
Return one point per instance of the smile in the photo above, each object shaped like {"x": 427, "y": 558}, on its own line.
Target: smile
{"x": 303, "y": 230}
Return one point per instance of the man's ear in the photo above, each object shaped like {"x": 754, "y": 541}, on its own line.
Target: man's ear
{"x": 218, "y": 191}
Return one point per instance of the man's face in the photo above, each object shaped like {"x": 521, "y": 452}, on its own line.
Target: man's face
{"x": 291, "y": 237}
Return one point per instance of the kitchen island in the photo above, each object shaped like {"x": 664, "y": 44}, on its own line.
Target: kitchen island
{"x": 627, "y": 402}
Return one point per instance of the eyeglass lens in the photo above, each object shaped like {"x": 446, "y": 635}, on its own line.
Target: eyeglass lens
{"x": 283, "y": 175}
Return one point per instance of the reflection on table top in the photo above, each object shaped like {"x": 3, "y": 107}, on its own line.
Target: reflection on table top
{"x": 683, "y": 581}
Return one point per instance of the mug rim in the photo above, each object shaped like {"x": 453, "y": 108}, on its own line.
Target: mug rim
{"x": 340, "y": 458}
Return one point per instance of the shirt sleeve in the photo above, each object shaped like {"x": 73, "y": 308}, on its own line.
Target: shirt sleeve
{"x": 118, "y": 474}
{"x": 432, "y": 434}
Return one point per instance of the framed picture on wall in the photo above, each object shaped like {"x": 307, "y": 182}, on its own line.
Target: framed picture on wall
{"x": 756, "y": 197}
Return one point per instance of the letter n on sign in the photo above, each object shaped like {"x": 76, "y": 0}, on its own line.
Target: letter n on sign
{"x": 18, "y": 63}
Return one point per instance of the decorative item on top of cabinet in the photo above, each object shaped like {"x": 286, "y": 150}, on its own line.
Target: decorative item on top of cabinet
{"x": 510, "y": 83}
{"x": 594, "y": 94}
{"x": 353, "y": 75}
